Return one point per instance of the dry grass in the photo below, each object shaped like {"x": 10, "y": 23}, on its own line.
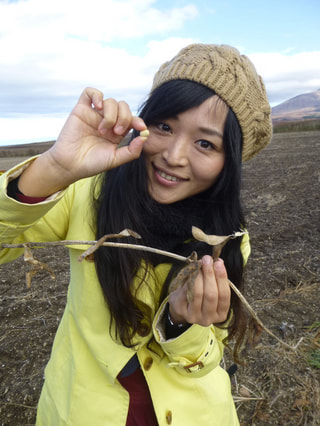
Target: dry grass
{"x": 290, "y": 385}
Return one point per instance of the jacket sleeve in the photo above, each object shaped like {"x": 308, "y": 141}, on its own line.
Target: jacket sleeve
{"x": 196, "y": 351}
{"x": 20, "y": 223}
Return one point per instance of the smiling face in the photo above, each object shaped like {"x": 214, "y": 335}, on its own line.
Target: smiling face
{"x": 184, "y": 154}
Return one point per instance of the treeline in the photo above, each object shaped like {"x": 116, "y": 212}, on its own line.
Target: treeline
{"x": 296, "y": 126}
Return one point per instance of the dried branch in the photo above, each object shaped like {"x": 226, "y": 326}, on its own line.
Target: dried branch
{"x": 93, "y": 243}
{"x": 247, "y": 399}
{"x": 255, "y": 316}
{"x": 99, "y": 243}
{"x": 215, "y": 241}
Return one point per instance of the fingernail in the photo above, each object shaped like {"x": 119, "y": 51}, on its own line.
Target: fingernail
{"x": 219, "y": 265}
{"x": 207, "y": 260}
{"x": 119, "y": 130}
{"x": 102, "y": 130}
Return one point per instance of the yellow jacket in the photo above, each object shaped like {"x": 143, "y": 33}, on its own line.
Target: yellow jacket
{"x": 80, "y": 385}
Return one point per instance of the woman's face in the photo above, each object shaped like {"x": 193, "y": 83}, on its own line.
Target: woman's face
{"x": 184, "y": 154}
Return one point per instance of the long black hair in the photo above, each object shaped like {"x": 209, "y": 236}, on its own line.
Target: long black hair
{"x": 125, "y": 202}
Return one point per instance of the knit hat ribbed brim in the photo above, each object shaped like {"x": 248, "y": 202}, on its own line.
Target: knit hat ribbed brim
{"x": 234, "y": 79}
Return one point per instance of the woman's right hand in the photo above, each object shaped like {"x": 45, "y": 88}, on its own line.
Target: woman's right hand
{"x": 87, "y": 145}
{"x": 211, "y": 296}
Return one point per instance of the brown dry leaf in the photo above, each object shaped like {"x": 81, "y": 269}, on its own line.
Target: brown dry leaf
{"x": 217, "y": 241}
{"x": 254, "y": 334}
{"x": 28, "y": 256}
{"x": 29, "y": 276}
{"x": 129, "y": 233}
{"x": 36, "y": 266}
{"x": 263, "y": 417}
{"x": 28, "y": 279}
{"x": 243, "y": 391}
{"x": 193, "y": 257}
{"x": 213, "y": 240}
{"x": 300, "y": 403}
{"x": 99, "y": 243}
{"x": 187, "y": 276}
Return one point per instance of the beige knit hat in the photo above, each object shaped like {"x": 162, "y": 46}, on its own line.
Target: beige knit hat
{"x": 234, "y": 79}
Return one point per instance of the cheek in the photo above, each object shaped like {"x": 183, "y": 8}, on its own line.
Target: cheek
{"x": 208, "y": 173}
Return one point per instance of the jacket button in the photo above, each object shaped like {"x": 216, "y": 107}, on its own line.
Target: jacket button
{"x": 169, "y": 417}
{"x": 148, "y": 363}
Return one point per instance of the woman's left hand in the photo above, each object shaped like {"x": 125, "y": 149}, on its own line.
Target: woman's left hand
{"x": 211, "y": 296}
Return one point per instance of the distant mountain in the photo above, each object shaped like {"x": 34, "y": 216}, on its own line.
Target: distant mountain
{"x": 306, "y": 106}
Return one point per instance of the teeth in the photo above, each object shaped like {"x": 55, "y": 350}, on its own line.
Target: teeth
{"x": 168, "y": 177}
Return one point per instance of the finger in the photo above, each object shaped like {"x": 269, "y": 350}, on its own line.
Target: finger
{"x": 178, "y": 306}
{"x": 209, "y": 284}
{"x": 224, "y": 291}
{"x": 195, "y": 305}
{"x": 138, "y": 124}
{"x": 210, "y": 291}
{"x": 110, "y": 115}
{"x": 133, "y": 150}
{"x": 124, "y": 119}
{"x": 129, "y": 152}
{"x": 118, "y": 119}
{"x": 91, "y": 96}
{"x": 127, "y": 122}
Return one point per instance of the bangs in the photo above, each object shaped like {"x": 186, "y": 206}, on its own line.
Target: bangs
{"x": 173, "y": 98}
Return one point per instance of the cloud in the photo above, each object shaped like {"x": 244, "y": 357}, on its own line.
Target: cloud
{"x": 100, "y": 20}
{"x": 54, "y": 85}
{"x": 24, "y": 128}
{"x": 286, "y": 75}
{"x": 50, "y": 51}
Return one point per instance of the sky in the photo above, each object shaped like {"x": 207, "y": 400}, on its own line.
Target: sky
{"x": 51, "y": 50}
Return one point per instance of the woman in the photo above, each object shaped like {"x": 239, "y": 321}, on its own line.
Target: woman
{"x": 126, "y": 352}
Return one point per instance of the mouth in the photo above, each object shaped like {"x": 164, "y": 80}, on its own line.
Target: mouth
{"x": 166, "y": 176}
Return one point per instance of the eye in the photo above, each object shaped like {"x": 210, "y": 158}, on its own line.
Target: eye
{"x": 206, "y": 145}
{"x": 164, "y": 127}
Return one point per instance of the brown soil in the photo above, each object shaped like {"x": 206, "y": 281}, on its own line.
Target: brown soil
{"x": 277, "y": 385}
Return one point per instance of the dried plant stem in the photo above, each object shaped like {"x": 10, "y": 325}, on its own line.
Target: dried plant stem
{"x": 153, "y": 250}
{"x": 93, "y": 243}
{"x": 149, "y": 249}
{"x": 19, "y": 405}
{"x": 246, "y": 399}
{"x": 255, "y": 316}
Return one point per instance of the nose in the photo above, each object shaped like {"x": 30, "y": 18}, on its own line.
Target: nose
{"x": 176, "y": 153}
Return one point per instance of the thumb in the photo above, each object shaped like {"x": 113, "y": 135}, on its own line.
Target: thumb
{"x": 130, "y": 152}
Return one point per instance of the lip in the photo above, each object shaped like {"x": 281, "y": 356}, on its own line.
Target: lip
{"x": 167, "y": 178}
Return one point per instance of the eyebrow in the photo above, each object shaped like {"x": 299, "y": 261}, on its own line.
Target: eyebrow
{"x": 211, "y": 132}
{"x": 207, "y": 130}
